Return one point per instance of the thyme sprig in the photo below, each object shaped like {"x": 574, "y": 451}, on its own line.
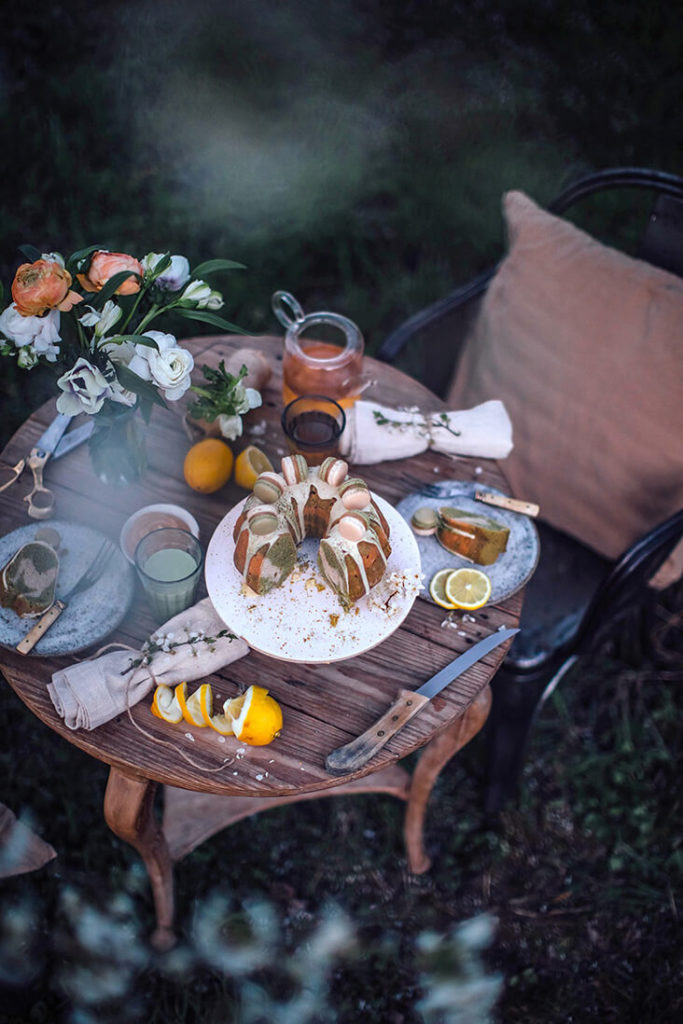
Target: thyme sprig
{"x": 167, "y": 643}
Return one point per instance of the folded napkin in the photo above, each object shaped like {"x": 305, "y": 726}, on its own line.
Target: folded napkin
{"x": 375, "y": 433}
{"x": 193, "y": 644}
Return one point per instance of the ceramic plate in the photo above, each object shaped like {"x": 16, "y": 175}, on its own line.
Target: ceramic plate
{"x": 91, "y": 615}
{"x": 302, "y": 620}
{"x": 509, "y": 572}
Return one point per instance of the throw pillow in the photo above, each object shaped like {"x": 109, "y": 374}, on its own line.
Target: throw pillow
{"x": 584, "y": 345}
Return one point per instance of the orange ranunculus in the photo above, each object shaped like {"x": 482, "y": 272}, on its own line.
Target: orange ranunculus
{"x": 104, "y": 265}
{"x": 43, "y": 285}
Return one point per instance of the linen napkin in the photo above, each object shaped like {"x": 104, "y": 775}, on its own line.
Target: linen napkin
{"x": 376, "y": 433}
{"x": 193, "y": 644}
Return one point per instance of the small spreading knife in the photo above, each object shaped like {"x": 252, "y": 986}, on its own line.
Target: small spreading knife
{"x": 354, "y": 755}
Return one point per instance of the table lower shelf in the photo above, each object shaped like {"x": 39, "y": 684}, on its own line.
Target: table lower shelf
{"x": 191, "y": 818}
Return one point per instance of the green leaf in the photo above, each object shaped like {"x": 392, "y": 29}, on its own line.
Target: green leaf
{"x": 76, "y": 258}
{"x": 163, "y": 264}
{"x": 211, "y": 266}
{"x": 114, "y": 282}
{"x": 211, "y": 318}
{"x": 144, "y": 388}
{"x": 30, "y": 252}
{"x": 137, "y": 339}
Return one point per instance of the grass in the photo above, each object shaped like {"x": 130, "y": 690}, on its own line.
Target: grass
{"x": 353, "y": 153}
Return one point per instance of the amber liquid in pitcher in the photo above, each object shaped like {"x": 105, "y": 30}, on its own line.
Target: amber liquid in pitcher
{"x": 339, "y": 382}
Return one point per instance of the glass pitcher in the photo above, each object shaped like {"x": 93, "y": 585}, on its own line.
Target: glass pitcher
{"x": 315, "y": 366}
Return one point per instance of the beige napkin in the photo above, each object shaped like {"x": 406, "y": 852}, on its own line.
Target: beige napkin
{"x": 376, "y": 433}
{"x": 189, "y": 646}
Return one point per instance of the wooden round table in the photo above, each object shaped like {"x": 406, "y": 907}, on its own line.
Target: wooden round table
{"x": 324, "y": 705}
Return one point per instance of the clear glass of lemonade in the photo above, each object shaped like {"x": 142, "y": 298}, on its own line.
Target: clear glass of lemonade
{"x": 169, "y": 564}
{"x": 323, "y": 353}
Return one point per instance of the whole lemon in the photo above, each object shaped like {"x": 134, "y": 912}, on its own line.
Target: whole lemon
{"x": 208, "y": 465}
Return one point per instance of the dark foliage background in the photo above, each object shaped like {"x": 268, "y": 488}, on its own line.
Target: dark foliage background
{"x": 355, "y": 153}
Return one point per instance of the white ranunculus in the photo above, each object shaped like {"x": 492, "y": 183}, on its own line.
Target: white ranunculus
{"x": 102, "y": 321}
{"x": 201, "y": 295}
{"x": 84, "y": 389}
{"x": 230, "y": 426}
{"x": 41, "y": 333}
{"x": 168, "y": 366}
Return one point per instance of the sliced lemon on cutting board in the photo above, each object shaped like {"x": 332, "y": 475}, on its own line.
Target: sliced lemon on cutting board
{"x": 256, "y": 716}
{"x": 249, "y": 465}
{"x": 467, "y": 588}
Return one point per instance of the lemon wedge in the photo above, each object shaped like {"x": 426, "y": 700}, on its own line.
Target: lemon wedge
{"x": 437, "y": 588}
{"x": 249, "y": 465}
{"x": 468, "y": 588}
{"x": 165, "y": 705}
{"x": 256, "y": 716}
{"x": 190, "y": 706}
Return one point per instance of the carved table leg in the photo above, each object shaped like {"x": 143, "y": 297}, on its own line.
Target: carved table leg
{"x": 435, "y": 755}
{"x": 129, "y": 812}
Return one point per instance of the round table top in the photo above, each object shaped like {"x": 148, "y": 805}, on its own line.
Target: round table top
{"x": 324, "y": 705}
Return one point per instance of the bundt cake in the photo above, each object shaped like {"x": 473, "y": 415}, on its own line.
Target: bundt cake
{"x": 320, "y": 502}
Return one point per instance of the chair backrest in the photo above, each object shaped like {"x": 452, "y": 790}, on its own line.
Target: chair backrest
{"x": 429, "y": 343}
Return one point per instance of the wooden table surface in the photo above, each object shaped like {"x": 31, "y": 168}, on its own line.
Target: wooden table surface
{"x": 324, "y": 706}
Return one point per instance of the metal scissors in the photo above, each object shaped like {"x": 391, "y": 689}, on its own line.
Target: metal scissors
{"x": 41, "y": 500}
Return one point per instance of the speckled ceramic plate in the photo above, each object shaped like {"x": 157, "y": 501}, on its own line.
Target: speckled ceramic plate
{"x": 509, "y": 572}
{"x": 302, "y": 620}
{"x": 90, "y": 616}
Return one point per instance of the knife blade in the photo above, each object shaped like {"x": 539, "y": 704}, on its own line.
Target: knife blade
{"x": 355, "y": 754}
{"x": 74, "y": 437}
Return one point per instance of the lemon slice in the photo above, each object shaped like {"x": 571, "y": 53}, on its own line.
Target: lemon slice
{"x": 249, "y": 465}
{"x": 437, "y": 588}
{"x": 165, "y": 705}
{"x": 468, "y": 588}
{"x": 191, "y": 706}
{"x": 256, "y": 717}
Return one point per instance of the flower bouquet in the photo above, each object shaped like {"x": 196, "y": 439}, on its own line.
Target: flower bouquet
{"x": 98, "y": 336}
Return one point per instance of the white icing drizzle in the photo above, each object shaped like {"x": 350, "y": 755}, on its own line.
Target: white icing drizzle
{"x": 289, "y": 509}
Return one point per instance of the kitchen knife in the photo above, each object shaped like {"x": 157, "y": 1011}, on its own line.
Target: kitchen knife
{"x": 354, "y": 755}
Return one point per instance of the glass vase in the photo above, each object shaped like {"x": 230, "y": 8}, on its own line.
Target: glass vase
{"x": 117, "y": 447}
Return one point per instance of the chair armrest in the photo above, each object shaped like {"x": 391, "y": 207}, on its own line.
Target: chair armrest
{"x": 628, "y": 578}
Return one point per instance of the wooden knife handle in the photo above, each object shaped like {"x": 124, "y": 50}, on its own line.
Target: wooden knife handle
{"x": 41, "y": 627}
{"x": 354, "y": 755}
{"x": 527, "y": 508}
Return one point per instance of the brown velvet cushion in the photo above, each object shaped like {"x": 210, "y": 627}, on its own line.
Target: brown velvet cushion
{"x": 585, "y": 346}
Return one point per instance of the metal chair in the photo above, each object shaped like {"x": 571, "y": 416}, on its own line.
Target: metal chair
{"x": 576, "y": 597}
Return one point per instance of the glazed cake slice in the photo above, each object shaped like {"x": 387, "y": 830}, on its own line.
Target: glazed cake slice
{"x": 471, "y": 535}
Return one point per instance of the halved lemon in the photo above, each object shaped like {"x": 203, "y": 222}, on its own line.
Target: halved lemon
{"x": 165, "y": 705}
{"x": 190, "y": 706}
{"x": 437, "y": 588}
{"x": 468, "y": 588}
{"x": 256, "y": 716}
{"x": 249, "y": 465}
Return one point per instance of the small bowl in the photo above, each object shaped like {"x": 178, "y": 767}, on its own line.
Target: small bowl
{"x": 153, "y": 517}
